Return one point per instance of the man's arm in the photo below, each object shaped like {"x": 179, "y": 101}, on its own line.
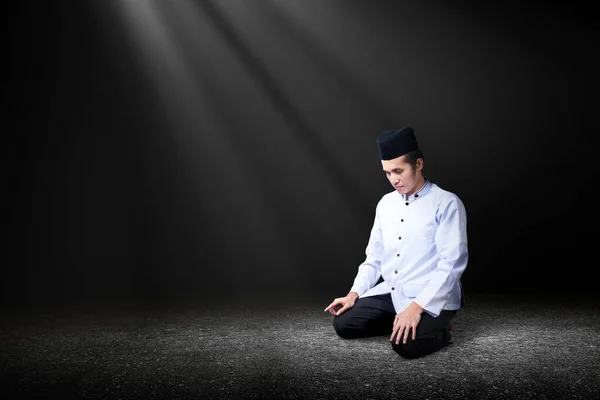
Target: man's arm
{"x": 369, "y": 271}
{"x": 451, "y": 243}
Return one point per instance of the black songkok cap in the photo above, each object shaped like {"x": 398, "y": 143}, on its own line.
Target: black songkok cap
{"x": 396, "y": 142}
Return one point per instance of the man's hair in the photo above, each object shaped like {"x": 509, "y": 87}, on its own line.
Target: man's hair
{"x": 412, "y": 157}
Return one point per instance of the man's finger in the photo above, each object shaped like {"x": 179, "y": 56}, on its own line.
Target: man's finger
{"x": 331, "y": 309}
{"x": 406, "y": 332}
{"x": 341, "y": 310}
{"x": 333, "y": 303}
{"x": 414, "y": 331}
{"x": 400, "y": 332}
{"x": 395, "y": 328}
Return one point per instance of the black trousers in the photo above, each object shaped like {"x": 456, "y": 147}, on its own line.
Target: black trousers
{"x": 374, "y": 316}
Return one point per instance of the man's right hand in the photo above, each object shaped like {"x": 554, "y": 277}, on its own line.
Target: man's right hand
{"x": 345, "y": 303}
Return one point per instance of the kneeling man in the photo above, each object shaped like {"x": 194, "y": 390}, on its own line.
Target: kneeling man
{"x": 418, "y": 246}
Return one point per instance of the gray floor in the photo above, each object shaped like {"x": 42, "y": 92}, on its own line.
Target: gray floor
{"x": 501, "y": 349}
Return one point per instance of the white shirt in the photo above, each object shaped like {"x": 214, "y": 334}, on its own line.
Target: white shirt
{"x": 418, "y": 244}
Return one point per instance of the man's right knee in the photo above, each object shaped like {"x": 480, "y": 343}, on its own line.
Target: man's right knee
{"x": 340, "y": 324}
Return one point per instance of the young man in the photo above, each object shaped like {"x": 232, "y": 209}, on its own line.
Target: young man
{"x": 418, "y": 245}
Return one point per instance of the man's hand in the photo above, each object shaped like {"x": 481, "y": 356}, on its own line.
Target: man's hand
{"x": 346, "y": 303}
{"x": 406, "y": 321}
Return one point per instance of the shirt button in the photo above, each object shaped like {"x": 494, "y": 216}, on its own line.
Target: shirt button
{"x": 396, "y": 271}
{"x": 417, "y": 195}
{"x": 406, "y": 203}
{"x": 392, "y": 288}
{"x": 398, "y": 255}
{"x": 399, "y": 237}
{"x": 401, "y": 220}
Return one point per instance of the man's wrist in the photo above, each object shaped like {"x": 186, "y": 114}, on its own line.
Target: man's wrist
{"x": 416, "y": 307}
{"x": 354, "y": 295}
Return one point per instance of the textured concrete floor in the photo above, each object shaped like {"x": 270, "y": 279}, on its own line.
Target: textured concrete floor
{"x": 519, "y": 350}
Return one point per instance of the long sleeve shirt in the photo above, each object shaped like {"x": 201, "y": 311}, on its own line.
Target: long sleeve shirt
{"x": 418, "y": 244}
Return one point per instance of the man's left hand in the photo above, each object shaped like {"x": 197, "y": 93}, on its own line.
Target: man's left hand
{"x": 406, "y": 321}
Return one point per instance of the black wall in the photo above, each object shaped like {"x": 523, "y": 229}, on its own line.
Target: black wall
{"x": 246, "y": 167}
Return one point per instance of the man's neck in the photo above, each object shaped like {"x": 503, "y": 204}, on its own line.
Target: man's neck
{"x": 417, "y": 187}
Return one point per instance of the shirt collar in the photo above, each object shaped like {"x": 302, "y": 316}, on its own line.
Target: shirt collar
{"x": 419, "y": 193}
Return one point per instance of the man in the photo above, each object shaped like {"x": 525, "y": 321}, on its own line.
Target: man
{"x": 418, "y": 245}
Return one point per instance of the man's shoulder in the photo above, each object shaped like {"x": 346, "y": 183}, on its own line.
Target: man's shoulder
{"x": 445, "y": 195}
{"x": 388, "y": 197}
{"x": 387, "y": 200}
{"x": 442, "y": 192}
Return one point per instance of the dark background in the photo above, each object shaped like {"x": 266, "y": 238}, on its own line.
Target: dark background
{"x": 225, "y": 151}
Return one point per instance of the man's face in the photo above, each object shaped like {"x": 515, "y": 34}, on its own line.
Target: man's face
{"x": 401, "y": 174}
